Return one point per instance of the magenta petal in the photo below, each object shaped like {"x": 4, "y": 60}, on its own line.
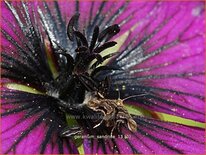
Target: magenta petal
{"x": 164, "y": 137}
{"x": 167, "y": 60}
{"x": 164, "y": 54}
{"x": 13, "y": 143}
{"x": 29, "y": 128}
{"x": 152, "y": 137}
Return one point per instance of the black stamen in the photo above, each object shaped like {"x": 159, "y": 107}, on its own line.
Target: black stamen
{"x": 72, "y": 26}
{"x": 85, "y": 53}
{"x": 82, "y": 38}
{"x": 81, "y": 49}
{"x": 108, "y": 33}
{"x": 94, "y": 38}
{"x": 103, "y": 59}
{"x": 98, "y": 70}
{"x": 105, "y": 46}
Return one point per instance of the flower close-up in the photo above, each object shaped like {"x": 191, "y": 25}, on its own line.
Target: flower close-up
{"x": 102, "y": 77}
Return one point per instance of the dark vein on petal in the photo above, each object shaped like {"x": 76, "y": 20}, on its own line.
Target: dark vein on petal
{"x": 164, "y": 76}
{"x": 77, "y": 6}
{"x": 159, "y": 141}
{"x": 26, "y": 132}
{"x": 147, "y": 38}
{"x": 31, "y": 34}
{"x": 141, "y": 88}
{"x": 19, "y": 109}
{"x": 173, "y": 104}
{"x": 140, "y": 140}
{"x": 22, "y": 70}
{"x": 68, "y": 144}
{"x": 196, "y": 81}
{"x": 166, "y": 64}
{"x": 103, "y": 147}
{"x": 26, "y": 68}
{"x": 134, "y": 150}
{"x": 60, "y": 145}
{"x": 155, "y": 126}
{"x": 47, "y": 138}
{"x": 19, "y": 48}
{"x": 90, "y": 16}
{"x": 15, "y": 14}
{"x": 97, "y": 17}
{"x": 20, "y": 101}
{"x": 59, "y": 16}
{"x": 117, "y": 13}
{"x": 150, "y": 55}
{"x": 50, "y": 18}
{"x": 115, "y": 148}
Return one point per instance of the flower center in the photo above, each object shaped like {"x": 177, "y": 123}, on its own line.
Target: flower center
{"x": 78, "y": 90}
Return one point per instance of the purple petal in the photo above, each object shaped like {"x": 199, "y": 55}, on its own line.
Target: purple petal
{"x": 28, "y": 127}
{"x": 152, "y": 137}
{"x": 167, "y": 60}
{"x": 159, "y": 82}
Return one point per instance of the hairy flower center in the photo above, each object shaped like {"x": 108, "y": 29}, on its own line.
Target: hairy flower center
{"x": 79, "y": 78}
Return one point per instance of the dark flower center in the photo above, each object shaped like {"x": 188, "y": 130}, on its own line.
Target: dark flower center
{"x": 78, "y": 78}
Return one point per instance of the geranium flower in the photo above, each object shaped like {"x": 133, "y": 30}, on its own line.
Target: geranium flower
{"x": 65, "y": 64}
